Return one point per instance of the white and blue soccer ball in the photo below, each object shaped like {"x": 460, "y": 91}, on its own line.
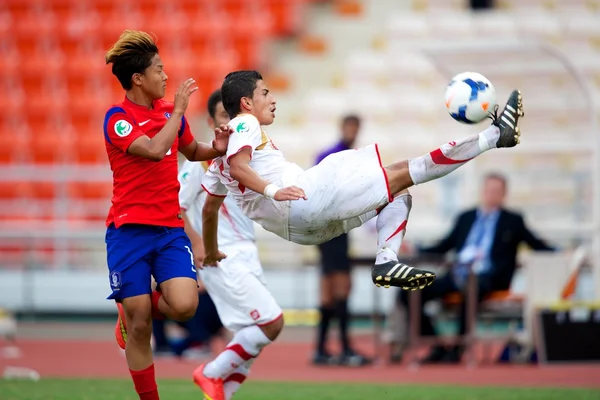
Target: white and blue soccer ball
{"x": 469, "y": 97}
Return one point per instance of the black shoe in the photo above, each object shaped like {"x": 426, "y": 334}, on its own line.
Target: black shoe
{"x": 508, "y": 121}
{"x": 396, "y": 357}
{"x": 436, "y": 355}
{"x": 323, "y": 358}
{"x": 452, "y": 356}
{"x": 394, "y": 273}
{"x": 350, "y": 358}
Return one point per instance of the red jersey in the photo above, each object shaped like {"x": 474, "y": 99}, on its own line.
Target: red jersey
{"x": 144, "y": 191}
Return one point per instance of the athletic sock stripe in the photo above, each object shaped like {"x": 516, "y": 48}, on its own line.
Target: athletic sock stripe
{"x": 239, "y": 350}
{"x": 236, "y": 377}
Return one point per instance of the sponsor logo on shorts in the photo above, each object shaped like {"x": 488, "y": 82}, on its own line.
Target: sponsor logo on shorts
{"x": 255, "y": 315}
{"x": 115, "y": 280}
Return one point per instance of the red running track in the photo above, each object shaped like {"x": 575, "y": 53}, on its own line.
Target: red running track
{"x": 289, "y": 362}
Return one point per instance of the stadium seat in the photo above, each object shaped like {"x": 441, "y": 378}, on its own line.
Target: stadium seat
{"x": 91, "y": 190}
{"x": 90, "y": 149}
{"x": 14, "y": 190}
{"x": 42, "y": 190}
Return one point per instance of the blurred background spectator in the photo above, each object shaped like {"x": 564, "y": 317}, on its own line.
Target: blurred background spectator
{"x": 335, "y": 274}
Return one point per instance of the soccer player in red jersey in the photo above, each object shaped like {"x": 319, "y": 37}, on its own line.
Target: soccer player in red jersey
{"x": 145, "y": 235}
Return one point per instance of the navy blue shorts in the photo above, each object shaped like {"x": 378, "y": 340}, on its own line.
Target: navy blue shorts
{"x": 137, "y": 252}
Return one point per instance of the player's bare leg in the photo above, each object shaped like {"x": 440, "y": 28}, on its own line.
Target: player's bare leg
{"x": 228, "y": 370}
{"x": 138, "y": 352}
{"x": 504, "y": 132}
{"x": 177, "y": 298}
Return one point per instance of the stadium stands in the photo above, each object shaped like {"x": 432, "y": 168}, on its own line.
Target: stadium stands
{"x": 350, "y": 55}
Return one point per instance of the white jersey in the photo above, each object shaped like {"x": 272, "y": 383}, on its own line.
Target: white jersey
{"x": 234, "y": 226}
{"x": 267, "y": 161}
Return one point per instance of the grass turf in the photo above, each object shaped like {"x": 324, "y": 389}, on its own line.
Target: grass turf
{"x": 99, "y": 389}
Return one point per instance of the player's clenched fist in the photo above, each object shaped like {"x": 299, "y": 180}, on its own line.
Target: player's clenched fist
{"x": 198, "y": 251}
{"x": 221, "y": 141}
{"x": 290, "y": 193}
{"x": 211, "y": 259}
{"x": 182, "y": 97}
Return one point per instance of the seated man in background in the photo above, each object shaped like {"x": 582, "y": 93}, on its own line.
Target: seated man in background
{"x": 486, "y": 239}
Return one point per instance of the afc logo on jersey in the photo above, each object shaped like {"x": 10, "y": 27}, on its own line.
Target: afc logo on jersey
{"x": 167, "y": 115}
{"x": 255, "y": 315}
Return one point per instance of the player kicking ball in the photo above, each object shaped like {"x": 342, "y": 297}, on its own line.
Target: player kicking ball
{"x": 342, "y": 191}
{"x": 237, "y": 286}
{"x": 145, "y": 235}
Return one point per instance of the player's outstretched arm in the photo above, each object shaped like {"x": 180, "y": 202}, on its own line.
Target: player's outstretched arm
{"x": 240, "y": 170}
{"x": 197, "y": 151}
{"x": 210, "y": 226}
{"x": 156, "y": 148}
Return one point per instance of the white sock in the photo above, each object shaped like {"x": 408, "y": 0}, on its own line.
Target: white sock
{"x": 391, "y": 228}
{"x": 450, "y": 156}
{"x": 246, "y": 345}
{"x": 234, "y": 381}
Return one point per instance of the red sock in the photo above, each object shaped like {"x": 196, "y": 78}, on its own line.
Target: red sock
{"x": 156, "y": 295}
{"x": 145, "y": 383}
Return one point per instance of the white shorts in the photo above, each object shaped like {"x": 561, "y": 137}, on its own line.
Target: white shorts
{"x": 238, "y": 289}
{"x": 344, "y": 191}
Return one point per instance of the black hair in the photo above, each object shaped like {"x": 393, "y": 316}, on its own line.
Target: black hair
{"x": 238, "y": 84}
{"x": 214, "y": 99}
{"x": 351, "y": 119}
{"x": 131, "y": 54}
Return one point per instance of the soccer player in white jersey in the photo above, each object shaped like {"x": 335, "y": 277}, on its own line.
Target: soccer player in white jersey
{"x": 342, "y": 191}
{"x": 237, "y": 285}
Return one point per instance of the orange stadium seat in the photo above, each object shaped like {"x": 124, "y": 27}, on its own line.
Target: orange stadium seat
{"x": 91, "y": 149}
{"x": 49, "y": 147}
{"x": 42, "y": 190}
{"x": 14, "y": 190}
{"x": 90, "y": 190}
{"x": 12, "y": 145}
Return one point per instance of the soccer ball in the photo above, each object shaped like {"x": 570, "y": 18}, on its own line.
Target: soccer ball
{"x": 469, "y": 97}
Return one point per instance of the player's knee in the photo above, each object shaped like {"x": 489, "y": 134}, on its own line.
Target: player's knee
{"x": 184, "y": 308}
{"x": 273, "y": 329}
{"x": 139, "y": 328}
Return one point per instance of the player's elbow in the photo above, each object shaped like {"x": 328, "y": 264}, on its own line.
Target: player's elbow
{"x": 236, "y": 172}
{"x": 155, "y": 155}
{"x": 209, "y": 209}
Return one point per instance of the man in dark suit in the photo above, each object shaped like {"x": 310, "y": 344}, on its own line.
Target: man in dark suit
{"x": 485, "y": 239}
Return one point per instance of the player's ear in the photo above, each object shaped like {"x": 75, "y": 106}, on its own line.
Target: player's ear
{"x": 137, "y": 79}
{"x": 245, "y": 103}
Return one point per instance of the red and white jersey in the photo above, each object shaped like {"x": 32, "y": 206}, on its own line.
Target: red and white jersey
{"x": 267, "y": 161}
{"x": 234, "y": 226}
